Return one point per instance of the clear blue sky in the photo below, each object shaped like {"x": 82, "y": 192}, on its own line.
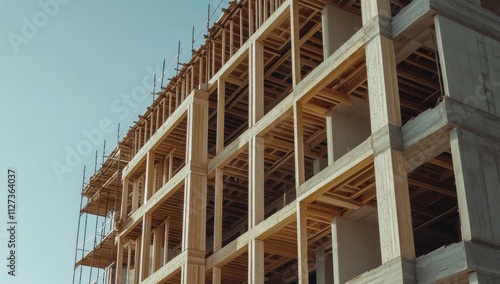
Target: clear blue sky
{"x": 62, "y": 67}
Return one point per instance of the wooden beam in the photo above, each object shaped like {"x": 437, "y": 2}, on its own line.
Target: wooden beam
{"x": 336, "y": 173}
{"x": 263, "y": 230}
{"x": 270, "y": 120}
{"x": 168, "y": 271}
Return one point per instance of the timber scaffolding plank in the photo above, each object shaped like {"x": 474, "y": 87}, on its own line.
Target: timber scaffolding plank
{"x": 234, "y": 175}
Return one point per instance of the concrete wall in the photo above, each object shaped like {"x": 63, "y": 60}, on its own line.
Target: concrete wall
{"x": 338, "y": 26}
{"x": 355, "y": 249}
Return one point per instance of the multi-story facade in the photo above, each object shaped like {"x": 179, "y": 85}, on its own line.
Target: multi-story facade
{"x": 315, "y": 141}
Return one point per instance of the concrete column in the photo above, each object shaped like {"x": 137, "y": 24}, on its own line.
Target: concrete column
{"x": 324, "y": 267}
{"x": 338, "y": 26}
{"x": 355, "y": 248}
{"x": 319, "y": 164}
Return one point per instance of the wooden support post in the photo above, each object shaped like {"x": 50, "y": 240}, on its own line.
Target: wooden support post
{"x": 200, "y": 71}
{"x": 259, "y": 14}
{"x": 129, "y": 260}
{"x": 219, "y": 174}
{"x": 223, "y": 46}
{"x": 165, "y": 241}
{"x": 191, "y": 84}
{"x": 393, "y": 201}
{"x": 145, "y": 246}
{"x": 163, "y": 111}
{"x": 151, "y": 124}
{"x": 213, "y": 59}
{"x": 155, "y": 180}
{"x": 298, "y": 145}
{"x": 123, "y": 209}
{"x": 221, "y": 106}
{"x": 135, "y": 142}
{"x": 329, "y": 137}
{"x": 150, "y": 170}
{"x": 169, "y": 103}
{"x": 219, "y": 202}
{"x": 302, "y": 247}
{"x": 119, "y": 261}
{"x": 231, "y": 38}
{"x": 157, "y": 242}
{"x": 137, "y": 260}
{"x": 195, "y": 191}
{"x": 177, "y": 94}
{"x": 135, "y": 195}
{"x": 266, "y": 11}
{"x": 241, "y": 28}
{"x": 294, "y": 41}
{"x": 160, "y": 171}
{"x": 183, "y": 89}
{"x": 250, "y": 18}
{"x": 256, "y": 81}
{"x": 158, "y": 109}
{"x": 170, "y": 166}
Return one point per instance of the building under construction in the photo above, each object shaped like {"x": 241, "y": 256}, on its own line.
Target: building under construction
{"x": 313, "y": 141}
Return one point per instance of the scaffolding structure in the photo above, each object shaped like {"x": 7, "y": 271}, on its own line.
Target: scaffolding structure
{"x": 313, "y": 141}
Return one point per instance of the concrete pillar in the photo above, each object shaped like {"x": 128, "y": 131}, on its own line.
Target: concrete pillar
{"x": 338, "y": 26}
{"x": 347, "y": 127}
{"x": 355, "y": 248}
{"x": 324, "y": 267}
{"x": 319, "y": 164}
